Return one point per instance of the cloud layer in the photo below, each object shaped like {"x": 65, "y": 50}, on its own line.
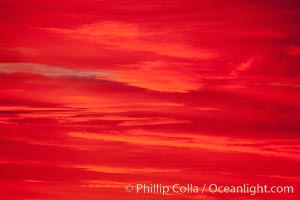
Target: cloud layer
{"x": 98, "y": 94}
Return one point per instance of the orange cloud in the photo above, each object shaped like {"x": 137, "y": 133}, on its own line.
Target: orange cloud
{"x": 131, "y": 36}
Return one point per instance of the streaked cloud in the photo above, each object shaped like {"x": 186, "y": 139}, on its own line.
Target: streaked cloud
{"x": 139, "y": 137}
{"x": 119, "y": 170}
{"x": 99, "y": 94}
{"x": 48, "y": 70}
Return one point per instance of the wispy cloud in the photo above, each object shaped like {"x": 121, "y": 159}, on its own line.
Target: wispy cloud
{"x": 212, "y": 143}
{"x": 48, "y": 70}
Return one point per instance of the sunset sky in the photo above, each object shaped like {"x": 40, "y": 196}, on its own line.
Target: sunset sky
{"x": 97, "y": 94}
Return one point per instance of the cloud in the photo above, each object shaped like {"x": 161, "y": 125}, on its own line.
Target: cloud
{"x": 211, "y": 143}
{"x": 119, "y": 170}
{"x": 159, "y": 76}
{"x": 132, "y": 37}
{"x": 48, "y": 70}
{"x": 98, "y": 94}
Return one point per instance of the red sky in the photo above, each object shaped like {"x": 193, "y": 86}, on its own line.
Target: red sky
{"x": 96, "y": 94}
